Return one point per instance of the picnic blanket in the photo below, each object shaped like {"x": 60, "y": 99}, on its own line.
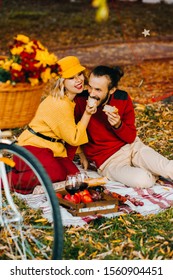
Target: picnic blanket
{"x": 155, "y": 200}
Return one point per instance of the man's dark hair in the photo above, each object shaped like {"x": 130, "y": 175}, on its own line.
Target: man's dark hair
{"x": 114, "y": 74}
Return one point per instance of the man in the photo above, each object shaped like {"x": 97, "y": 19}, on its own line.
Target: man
{"x": 113, "y": 143}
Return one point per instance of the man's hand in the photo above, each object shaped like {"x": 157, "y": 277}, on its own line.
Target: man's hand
{"x": 85, "y": 163}
{"x": 114, "y": 119}
{"x": 83, "y": 160}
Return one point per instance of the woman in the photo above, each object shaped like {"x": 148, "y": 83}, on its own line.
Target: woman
{"x": 54, "y": 125}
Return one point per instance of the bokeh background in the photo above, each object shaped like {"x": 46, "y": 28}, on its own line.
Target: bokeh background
{"x": 69, "y": 27}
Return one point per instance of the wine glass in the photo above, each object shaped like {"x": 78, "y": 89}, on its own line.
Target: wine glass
{"x": 71, "y": 184}
{"x": 81, "y": 177}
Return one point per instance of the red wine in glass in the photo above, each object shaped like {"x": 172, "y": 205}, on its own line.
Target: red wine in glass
{"x": 71, "y": 184}
{"x": 81, "y": 176}
{"x": 72, "y": 189}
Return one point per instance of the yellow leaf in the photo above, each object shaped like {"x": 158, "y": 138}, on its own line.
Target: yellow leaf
{"x": 50, "y": 238}
{"x": 81, "y": 254}
{"x": 93, "y": 254}
{"x": 116, "y": 241}
{"x": 41, "y": 220}
{"x": 141, "y": 242}
{"x": 8, "y": 161}
{"x": 140, "y": 107}
{"x": 162, "y": 251}
{"x": 131, "y": 231}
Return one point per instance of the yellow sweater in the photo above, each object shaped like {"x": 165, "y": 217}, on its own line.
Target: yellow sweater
{"x": 55, "y": 118}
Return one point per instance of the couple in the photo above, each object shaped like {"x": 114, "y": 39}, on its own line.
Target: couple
{"x": 66, "y": 119}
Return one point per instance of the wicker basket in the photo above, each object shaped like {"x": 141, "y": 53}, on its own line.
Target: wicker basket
{"x": 18, "y": 104}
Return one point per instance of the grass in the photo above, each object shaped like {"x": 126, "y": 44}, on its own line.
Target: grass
{"x": 122, "y": 238}
{"x": 62, "y": 24}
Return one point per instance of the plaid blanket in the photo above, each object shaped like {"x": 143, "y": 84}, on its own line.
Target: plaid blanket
{"x": 154, "y": 200}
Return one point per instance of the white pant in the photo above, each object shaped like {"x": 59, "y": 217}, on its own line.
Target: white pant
{"x": 136, "y": 165}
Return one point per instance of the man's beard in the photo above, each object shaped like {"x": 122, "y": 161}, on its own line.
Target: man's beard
{"x": 105, "y": 100}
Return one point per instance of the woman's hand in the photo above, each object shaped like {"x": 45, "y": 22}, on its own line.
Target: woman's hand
{"x": 114, "y": 119}
{"x": 91, "y": 110}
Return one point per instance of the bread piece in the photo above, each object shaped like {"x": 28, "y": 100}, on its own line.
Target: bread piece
{"x": 93, "y": 182}
{"x": 108, "y": 108}
{"x": 91, "y": 102}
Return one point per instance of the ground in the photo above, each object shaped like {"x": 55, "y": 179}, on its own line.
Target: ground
{"x": 64, "y": 24}
{"x": 70, "y": 28}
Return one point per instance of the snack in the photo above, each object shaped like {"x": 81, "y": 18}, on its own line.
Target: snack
{"x": 93, "y": 182}
{"x": 108, "y": 108}
{"x": 92, "y": 102}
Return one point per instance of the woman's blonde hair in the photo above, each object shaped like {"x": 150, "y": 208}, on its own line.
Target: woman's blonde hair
{"x": 57, "y": 88}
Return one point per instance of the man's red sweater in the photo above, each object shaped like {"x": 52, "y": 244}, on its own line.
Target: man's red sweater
{"x": 104, "y": 140}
